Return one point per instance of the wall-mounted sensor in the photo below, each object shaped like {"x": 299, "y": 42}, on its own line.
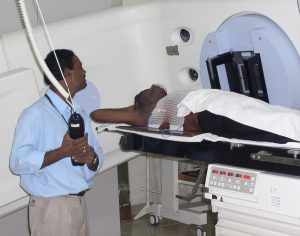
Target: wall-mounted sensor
{"x": 182, "y": 36}
{"x": 193, "y": 74}
{"x": 185, "y": 35}
{"x": 189, "y": 76}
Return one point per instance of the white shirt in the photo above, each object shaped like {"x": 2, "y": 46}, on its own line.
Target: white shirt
{"x": 166, "y": 111}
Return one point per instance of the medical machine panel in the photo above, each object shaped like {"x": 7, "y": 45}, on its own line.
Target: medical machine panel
{"x": 253, "y": 189}
{"x": 232, "y": 179}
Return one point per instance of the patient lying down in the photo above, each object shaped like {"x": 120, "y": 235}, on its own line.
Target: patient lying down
{"x": 191, "y": 111}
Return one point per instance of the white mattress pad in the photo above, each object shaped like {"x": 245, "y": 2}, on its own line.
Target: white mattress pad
{"x": 186, "y": 137}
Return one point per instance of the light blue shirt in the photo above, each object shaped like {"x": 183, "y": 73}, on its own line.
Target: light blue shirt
{"x": 40, "y": 129}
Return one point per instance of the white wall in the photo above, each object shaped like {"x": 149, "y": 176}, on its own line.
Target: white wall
{"x": 129, "y": 2}
{"x": 53, "y": 10}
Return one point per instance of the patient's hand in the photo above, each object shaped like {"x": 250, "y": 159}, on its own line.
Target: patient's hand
{"x": 165, "y": 125}
{"x": 191, "y": 123}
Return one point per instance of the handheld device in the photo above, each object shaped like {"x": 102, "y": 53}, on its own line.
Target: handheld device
{"x": 76, "y": 130}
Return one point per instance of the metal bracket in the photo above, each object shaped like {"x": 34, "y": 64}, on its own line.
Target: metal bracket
{"x": 294, "y": 152}
{"x": 269, "y": 157}
{"x": 236, "y": 145}
{"x": 172, "y": 50}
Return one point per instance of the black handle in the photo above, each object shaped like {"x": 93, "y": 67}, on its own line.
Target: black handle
{"x": 76, "y": 130}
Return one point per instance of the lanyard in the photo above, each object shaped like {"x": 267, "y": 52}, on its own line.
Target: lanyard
{"x": 55, "y": 108}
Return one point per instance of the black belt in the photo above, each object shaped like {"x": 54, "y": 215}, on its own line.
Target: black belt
{"x": 80, "y": 194}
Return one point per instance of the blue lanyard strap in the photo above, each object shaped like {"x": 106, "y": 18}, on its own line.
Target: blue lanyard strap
{"x": 55, "y": 108}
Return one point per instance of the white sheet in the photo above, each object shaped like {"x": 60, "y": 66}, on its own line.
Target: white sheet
{"x": 204, "y": 136}
{"x": 245, "y": 110}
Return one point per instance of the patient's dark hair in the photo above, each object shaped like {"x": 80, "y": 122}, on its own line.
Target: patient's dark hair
{"x": 141, "y": 103}
{"x": 65, "y": 58}
{"x": 138, "y": 102}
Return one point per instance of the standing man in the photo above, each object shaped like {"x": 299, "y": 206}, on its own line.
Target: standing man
{"x": 42, "y": 152}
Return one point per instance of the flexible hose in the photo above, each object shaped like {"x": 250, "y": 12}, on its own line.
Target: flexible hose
{"x": 33, "y": 44}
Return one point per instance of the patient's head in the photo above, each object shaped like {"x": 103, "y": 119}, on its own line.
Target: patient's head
{"x": 146, "y": 100}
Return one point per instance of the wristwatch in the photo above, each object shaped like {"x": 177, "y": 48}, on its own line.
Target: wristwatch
{"x": 95, "y": 159}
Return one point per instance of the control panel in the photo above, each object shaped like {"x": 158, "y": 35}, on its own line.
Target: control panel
{"x": 232, "y": 179}
{"x": 242, "y": 189}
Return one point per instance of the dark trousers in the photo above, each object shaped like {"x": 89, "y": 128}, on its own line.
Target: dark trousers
{"x": 225, "y": 127}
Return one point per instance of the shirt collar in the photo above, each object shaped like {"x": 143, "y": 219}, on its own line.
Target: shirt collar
{"x": 59, "y": 103}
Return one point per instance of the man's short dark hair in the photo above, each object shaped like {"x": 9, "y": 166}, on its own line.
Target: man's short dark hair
{"x": 65, "y": 58}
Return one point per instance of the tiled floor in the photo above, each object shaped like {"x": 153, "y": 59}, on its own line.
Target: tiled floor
{"x": 166, "y": 227}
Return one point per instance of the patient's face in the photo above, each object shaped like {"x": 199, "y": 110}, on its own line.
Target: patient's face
{"x": 151, "y": 96}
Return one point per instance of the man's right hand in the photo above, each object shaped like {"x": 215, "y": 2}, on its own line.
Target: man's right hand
{"x": 69, "y": 148}
{"x": 73, "y": 147}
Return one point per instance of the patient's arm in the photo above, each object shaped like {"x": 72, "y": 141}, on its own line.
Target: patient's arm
{"x": 130, "y": 108}
{"x": 125, "y": 115}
